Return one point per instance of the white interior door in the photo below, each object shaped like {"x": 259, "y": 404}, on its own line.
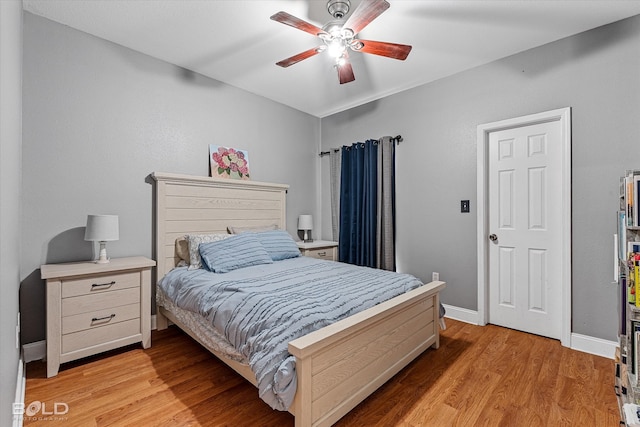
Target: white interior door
{"x": 525, "y": 228}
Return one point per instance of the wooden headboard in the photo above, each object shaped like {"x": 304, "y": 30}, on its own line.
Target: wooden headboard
{"x": 193, "y": 204}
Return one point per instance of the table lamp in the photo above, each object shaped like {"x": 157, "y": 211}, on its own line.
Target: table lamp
{"x": 103, "y": 229}
{"x": 305, "y": 223}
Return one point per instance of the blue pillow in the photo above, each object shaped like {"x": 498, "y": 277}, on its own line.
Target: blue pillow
{"x": 241, "y": 250}
{"x": 279, "y": 244}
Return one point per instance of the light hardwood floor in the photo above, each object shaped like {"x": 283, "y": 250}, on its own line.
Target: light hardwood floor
{"x": 480, "y": 376}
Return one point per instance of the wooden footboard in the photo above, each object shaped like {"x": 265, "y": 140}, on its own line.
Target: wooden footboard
{"x": 340, "y": 365}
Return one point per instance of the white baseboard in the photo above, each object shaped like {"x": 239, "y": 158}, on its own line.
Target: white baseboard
{"x": 583, "y": 343}
{"x": 154, "y": 324}
{"x": 592, "y": 345}
{"x": 18, "y": 401}
{"x": 461, "y": 314}
{"x": 34, "y": 351}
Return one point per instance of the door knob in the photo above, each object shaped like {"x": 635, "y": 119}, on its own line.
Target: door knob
{"x": 493, "y": 237}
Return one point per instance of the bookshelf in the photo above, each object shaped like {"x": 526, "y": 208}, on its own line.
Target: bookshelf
{"x": 627, "y": 250}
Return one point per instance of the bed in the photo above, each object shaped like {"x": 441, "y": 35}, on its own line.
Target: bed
{"x": 352, "y": 357}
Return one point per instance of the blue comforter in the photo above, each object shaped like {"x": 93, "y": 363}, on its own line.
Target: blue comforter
{"x": 259, "y": 309}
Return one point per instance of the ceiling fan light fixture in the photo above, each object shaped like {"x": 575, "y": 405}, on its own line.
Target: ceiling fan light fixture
{"x": 347, "y": 33}
{"x": 333, "y": 30}
{"x": 336, "y": 48}
{"x": 356, "y": 44}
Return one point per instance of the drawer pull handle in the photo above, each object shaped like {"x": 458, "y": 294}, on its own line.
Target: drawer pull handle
{"x": 323, "y": 253}
{"x": 99, "y": 285}
{"x": 107, "y": 318}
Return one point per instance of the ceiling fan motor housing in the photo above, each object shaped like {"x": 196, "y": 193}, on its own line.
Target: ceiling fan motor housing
{"x": 338, "y": 8}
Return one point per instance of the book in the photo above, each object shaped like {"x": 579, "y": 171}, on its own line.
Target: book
{"x": 631, "y": 414}
{"x": 635, "y": 329}
{"x": 622, "y": 235}
{"x": 635, "y": 340}
{"x": 636, "y": 274}
{"x": 636, "y": 189}
{"x": 629, "y": 193}
{"x": 622, "y": 326}
{"x": 631, "y": 290}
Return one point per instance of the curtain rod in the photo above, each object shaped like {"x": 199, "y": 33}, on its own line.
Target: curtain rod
{"x": 397, "y": 139}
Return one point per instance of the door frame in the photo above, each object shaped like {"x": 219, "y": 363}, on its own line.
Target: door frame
{"x": 563, "y": 115}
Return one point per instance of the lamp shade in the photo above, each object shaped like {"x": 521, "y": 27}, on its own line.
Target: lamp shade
{"x": 305, "y": 222}
{"x": 102, "y": 228}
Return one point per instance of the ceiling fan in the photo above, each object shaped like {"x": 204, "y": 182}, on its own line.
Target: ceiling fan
{"x": 338, "y": 36}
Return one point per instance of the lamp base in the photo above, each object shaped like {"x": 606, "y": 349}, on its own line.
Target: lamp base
{"x": 307, "y": 237}
{"x": 103, "y": 254}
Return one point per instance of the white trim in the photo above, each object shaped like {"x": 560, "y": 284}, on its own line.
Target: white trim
{"x": 592, "y": 345}
{"x": 21, "y": 383}
{"x": 34, "y": 351}
{"x": 583, "y": 343}
{"x": 461, "y": 314}
{"x": 564, "y": 116}
{"x": 154, "y": 324}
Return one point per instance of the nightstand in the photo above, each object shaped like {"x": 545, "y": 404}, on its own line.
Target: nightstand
{"x": 93, "y": 308}
{"x": 320, "y": 249}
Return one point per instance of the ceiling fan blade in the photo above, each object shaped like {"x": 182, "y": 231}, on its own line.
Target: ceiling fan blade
{"x": 298, "y": 23}
{"x": 299, "y": 57}
{"x": 367, "y": 11}
{"x": 345, "y": 72}
{"x": 390, "y": 50}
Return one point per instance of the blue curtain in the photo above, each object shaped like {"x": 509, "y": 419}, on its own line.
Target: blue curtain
{"x": 358, "y": 204}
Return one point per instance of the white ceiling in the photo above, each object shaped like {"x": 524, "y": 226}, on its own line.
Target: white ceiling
{"x": 235, "y": 42}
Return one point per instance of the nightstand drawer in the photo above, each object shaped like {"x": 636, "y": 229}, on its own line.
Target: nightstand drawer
{"x": 100, "y": 283}
{"x": 323, "y": 253}
{"x": 91, "y": 303}
{"x": 319, "y": 249}
{"x": 84, "y": 339}
{"x": 100, "y": 318}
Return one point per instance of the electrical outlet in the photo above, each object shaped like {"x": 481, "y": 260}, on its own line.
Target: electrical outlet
{"x": 435, "y": 276}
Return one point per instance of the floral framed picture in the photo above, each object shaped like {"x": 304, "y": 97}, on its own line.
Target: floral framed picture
{"x": 228, "y": 162}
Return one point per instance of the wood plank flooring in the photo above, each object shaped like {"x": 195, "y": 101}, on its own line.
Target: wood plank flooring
{"x": 480, "y": 376}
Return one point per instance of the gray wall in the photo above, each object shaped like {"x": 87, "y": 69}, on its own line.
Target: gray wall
{"x": 99, "y": 118}
{"x": 595, "y": 73}
{"x": 10, "y": 143}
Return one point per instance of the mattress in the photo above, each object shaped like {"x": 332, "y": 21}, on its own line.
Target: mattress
{"x": 206, "y": 333}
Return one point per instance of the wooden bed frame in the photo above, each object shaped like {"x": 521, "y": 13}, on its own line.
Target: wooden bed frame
{"x": 339, "y": 365}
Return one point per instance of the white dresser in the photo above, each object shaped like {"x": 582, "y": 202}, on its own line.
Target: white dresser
{"x": 93, "y": 308}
